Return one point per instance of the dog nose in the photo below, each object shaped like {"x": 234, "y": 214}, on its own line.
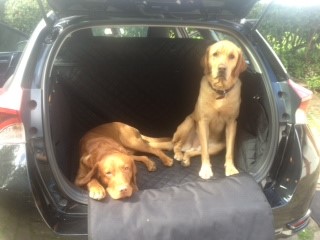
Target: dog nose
{"x": 123, "y": 189}
{"x": 221, "y": 68}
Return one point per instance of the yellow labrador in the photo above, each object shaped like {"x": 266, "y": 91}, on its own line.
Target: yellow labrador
{"x": 211, "y": 127}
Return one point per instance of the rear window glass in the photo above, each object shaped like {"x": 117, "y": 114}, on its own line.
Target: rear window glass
{"x": 134, "y": 32}
{"x": 11, "y": 39}
{"x": 120, "y": 31}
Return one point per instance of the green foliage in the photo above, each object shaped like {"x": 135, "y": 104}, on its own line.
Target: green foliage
{"x": 294, "y": 34}
{"x": 135, "y": 32}
{"x": 2, "y": 2}
{"x": 23, "y": 14}
{"x": 194, "y": 33}
{"x": 306, "y": 234}
{"x": 314, "y": 82}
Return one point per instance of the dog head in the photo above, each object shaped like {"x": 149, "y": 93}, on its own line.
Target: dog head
{"x": 222, "y": 63}
{"x": 117, "y": 172}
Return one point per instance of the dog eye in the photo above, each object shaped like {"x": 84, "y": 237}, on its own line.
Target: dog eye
{"x": 126, "y": 168}
{"x": 231, "y": 56}
{"x": 108, "y": 174}
{"x": 215, "y": 54}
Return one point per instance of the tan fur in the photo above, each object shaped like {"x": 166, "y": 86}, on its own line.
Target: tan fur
{"x": 212, "y": 125}
{"x": 107, "y": 159}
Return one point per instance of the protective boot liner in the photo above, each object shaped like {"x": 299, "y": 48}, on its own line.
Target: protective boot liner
{"x": 225, "y": 208}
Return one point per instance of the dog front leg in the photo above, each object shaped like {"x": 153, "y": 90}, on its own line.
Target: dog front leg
{"x": 96, "y": 190}
{"x": 231, "y": 129}
{"x": 203, "y": 134}
{"x": 181, "y": 136}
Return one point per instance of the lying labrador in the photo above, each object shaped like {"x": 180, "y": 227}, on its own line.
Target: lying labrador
{"x": 107, "y": 159}
{"x": 211, "y": 127}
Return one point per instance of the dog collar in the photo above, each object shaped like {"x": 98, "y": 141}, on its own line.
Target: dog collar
{"x": 221, "y": 93}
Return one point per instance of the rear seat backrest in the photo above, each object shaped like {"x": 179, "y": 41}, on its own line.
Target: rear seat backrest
{"x": 150, "y": 83}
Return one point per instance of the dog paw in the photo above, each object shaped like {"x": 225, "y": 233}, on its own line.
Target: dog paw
{"x": 151, "y": 166}
{"x": 185, "y": 161}
{"x": 231, "y": 170}
{"x": 178, "y": 156}
{"x": 206, "y": 171}
{"x": 168, "y": 162}
{"x": 97, "y": 192}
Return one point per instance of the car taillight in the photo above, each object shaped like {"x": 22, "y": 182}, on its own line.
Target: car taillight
{"x": 11, "y": 126}
{"x": 301, "y": 223}
{"x": 305, "y": 96}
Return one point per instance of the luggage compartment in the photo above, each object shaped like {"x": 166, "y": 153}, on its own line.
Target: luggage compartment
{"x": 151, "y": 84}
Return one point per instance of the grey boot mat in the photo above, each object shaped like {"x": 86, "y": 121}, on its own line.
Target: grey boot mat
{"x": 177, "y": 174}
{"x": 174, "y": 203}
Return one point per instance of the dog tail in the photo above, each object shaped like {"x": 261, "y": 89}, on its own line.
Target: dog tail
{"x": 164, "y": 143}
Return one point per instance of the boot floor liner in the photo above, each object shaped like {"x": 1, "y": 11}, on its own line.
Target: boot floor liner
{"x": 175, "y": 203}
{"x": 176, "y": 174}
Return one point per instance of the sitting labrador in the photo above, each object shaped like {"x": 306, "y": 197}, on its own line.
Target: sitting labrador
{"x": 212, "y": 125}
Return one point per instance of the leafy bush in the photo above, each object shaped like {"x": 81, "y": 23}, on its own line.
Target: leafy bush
{"x": 294, "y": 34}
{"x": 314, "y": 83}
{"x": 2, "y": 2}
{"x": 23, "y": 14}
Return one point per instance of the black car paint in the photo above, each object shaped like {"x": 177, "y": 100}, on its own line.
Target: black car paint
{"x": 300, "y": 184}
{"x": 156, "y": 8}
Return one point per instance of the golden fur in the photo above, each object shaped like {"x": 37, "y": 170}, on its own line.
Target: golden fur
{"x": 107, "y": 159}
{"x": 211, "y": 127}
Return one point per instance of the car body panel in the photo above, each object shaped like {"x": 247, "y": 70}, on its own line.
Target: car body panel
{"x": 302, "y": 185}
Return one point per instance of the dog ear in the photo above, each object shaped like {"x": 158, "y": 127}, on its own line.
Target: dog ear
{"x": 205, "y": 62}
{"x": 83, "y": 180}
{"x": 241, "y": 65}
